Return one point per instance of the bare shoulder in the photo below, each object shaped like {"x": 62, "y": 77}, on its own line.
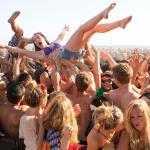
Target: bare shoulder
{"x": 113, "y": 94}
{"x": 88, "y": 97}
{"x": 124, "y": 141}
{"x": 125, "y": 134}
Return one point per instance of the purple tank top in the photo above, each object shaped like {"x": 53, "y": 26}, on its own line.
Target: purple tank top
{"x": 51, "y": 48}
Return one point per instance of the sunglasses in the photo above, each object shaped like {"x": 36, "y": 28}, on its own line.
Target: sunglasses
{"x": 107, "y": 81}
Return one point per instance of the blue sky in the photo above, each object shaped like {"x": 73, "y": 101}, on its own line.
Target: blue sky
{"x": 49, "y": 17}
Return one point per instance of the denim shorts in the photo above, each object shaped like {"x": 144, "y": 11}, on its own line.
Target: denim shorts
{"x": 14, "y": 41}
{"x": 66, "y": 54}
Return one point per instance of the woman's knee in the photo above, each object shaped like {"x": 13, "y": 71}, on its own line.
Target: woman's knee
{"x": 82, "y": 29}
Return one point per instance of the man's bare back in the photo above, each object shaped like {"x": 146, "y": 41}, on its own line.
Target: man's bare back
{"x": 121, "y": 97}
{"x": 9, "y": 120}
{"x": 83, "y": 119}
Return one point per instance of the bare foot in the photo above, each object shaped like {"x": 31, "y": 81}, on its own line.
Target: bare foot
{"x": 125, "y": 21}
{"x": 14, "y": 16}
{"x": 107, "y": 10}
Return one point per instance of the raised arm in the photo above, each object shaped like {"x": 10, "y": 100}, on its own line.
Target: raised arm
{"x": 55, "y": 76}
{"x": 135, "y": 62}
{"x": 16, "y": 67}
{"x": 104, "y": 55}
{"x": 66, "y": 136}
{"x": 62, "y": 34}
{"x": 31, "y": 54}
{"x": 97, "y": 69}
{"x": 144, "y": 65}
{"x": 40, "y": 134}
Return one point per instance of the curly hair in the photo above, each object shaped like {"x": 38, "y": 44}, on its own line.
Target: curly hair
{"x": 107, "y": 116}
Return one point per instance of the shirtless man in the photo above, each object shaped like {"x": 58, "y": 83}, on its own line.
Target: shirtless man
{"x": 122, "y": 96}
{"x": 12, "y": 111}
{"x": 84, "y": 99}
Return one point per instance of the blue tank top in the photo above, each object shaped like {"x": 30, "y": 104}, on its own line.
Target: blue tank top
{"x": 51, "y": 48}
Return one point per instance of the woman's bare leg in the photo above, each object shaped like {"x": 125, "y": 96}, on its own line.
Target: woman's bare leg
{"x": 76, "y": 40}
{"x": 102, "y": 28}
{"x": 22, "y": 44}
{"x": 18, "y": 31}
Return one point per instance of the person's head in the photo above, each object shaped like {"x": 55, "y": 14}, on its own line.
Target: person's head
{"x": 98, "y": 101}
{"x": 137, "y": 122}
{"x": 108, "y": 117}
{"x": 60, "y": 113}
{"x": 33, "y": 95}
{"x": 82, "y": 81}
{"x": 104, "y": 66}
{"x": 45, "y": 77}
{"x": 24, "y": 78}
{"x": 140, "y": 79}
{"x": 106, "y": 80}
{"x": 39, "y": 41}
{"x": 146, "y": 97}
{"x": 42, "y": 75}
{"x": 122, "y": 73}
{"x": 137, "y": 116}
{"x": 15, "y": 92}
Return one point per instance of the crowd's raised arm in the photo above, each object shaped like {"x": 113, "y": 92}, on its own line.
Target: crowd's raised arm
{"x": 73, "y": 96}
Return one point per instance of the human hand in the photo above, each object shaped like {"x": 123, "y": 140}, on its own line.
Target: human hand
{"x": 66, "y": 27}
{"x": 66, "y": 133}
{"x": 104, "y": 55}
{"x": 55, "y": 76}
{"x": 2, "y": 46}
{"x": 77, "y": 110}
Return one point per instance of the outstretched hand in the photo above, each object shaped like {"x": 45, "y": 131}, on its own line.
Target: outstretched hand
{"x": 66, "y": 27}
{"x": 104, "y": 55}
{"x": 77, "y": 109}
{"x": 2, "y": 46}
{"x": 65, "y": 137}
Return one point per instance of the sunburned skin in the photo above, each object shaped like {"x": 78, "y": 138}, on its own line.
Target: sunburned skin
{"x": 125, "y": 21}
{"x": 9, "y": 120}
{"x": 13, "y": 16}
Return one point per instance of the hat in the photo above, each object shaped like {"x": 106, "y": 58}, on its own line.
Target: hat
{"x": 107, "y": 73}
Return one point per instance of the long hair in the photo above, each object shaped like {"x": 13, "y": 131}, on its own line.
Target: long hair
{"x": 135, "y": 136}
{"x": 60, "y": 114}
{"x": 36, "y": 47}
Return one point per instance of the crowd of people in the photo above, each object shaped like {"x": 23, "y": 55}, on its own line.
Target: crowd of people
{"x": 73, "y": 96}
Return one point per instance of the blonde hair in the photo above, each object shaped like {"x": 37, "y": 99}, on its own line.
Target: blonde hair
{"x": 60, "y": 114}
{"x": 107, "y": 116}
{"x": 134, "y": 135}
{"x": 122, "y": 72}
{"x": 33, "y": 95}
